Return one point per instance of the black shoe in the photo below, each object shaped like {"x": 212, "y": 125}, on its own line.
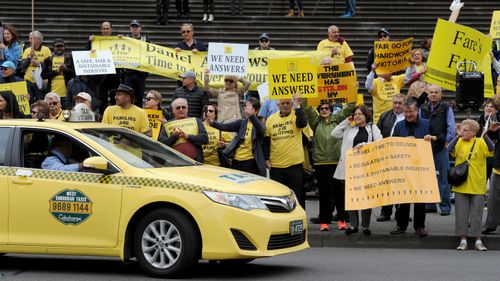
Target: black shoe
{"x": 351, "y": 230}
{"x": 445, "y": 213}
{"x": 487, "y": 231}
{"x": 384, "y": 218}
{"x": 398, "y": 230}
{"x": 367, "y": 232}
{"x": 421, "y": 232}
{"x": 315, "y": 220}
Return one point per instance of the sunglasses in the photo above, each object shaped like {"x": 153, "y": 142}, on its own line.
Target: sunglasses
{"x": 324, "y": 108}
{"x": 383, "y": 36}
{"x": 229, "y": 81}
{"x": 186, "y": 31}
{"x": 54, "y": 103}
{"x": 210, "y": 110}
{"x": 148, "y": 98}
{"x": 264, "y": 40}
{"x": 180, "y": 107}
{"x": 34, "y": 112}
{"x": 4, "y": 68}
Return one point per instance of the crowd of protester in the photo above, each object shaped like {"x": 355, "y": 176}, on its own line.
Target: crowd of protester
{"x": 247, "y": 134}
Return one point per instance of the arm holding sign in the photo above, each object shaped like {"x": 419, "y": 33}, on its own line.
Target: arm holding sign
{"x": 301, "y": 120}
{"x": 246, "y": 84}
{"x": 211, "y": 91}
{"x": 370, "y": 78}
{"x": 338, "y": 131}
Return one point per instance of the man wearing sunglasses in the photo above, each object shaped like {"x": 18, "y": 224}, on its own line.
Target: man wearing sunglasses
{"x": 189, "y": 43}
{"x": 264, "y": 42}
{"x": 8, "y": 72}
{"x": 55, "y": 109}
{"x": 383, "y": 35}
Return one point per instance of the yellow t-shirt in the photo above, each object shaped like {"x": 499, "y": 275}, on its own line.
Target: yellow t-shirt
{"x": 133, "y": 118}
{"x": 59, "y": 116}
{"x": 58, "y": 84}
{"x": 210, "y": 154}
{"x": 244, "y": 151}
{"x": 286, "y": 140}
{"x": 344, "y": 50}
{"x": 384, "y": 92}
{"x": 476, "y": 180}
{"x": 41, "y": 55}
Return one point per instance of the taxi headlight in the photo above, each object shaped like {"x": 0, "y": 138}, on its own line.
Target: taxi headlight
{"x": 245, "y": 202}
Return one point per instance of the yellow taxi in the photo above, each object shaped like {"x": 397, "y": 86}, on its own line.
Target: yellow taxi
{"x": 137, "y": 199}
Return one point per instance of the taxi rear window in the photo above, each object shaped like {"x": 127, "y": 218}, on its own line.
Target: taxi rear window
{"x": 135, "y": 149}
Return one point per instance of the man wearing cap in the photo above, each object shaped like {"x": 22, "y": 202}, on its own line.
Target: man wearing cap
{"x": 383, "y": 35}
{"x": 338, "y": 47}
{"x": 196, "y": 96}
{"x": 86, "y": 99}
{"x": 134, "y": 78}
{"x": 103, "y": 85}
{"x": 125, "y": 113}
{"x": 31, "y": 59}
{"x": 264, "y": 41}
{"x": 58, "y": 69}
{"x": 8, "y": 72}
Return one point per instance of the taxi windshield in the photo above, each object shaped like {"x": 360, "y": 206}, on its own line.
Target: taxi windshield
{"x": 136, "y": 150}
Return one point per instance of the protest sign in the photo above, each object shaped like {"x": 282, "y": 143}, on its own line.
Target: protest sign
{"x": 93, "y": 63}
{"x": 188, "y": 125}
{"x": 453, "y": 43}
{"x": 20, "y": 90}
{"x": 392, "y": 56}
{"x": 390, "y": 171}
{"x": 154, "y": 117}
{"x": 263, "y": 90}
{"x": 336, "y": 83}
{"x": 227, "y": 59}
{"x": 142, "y": 56}
{"x": 495, "y": 25}
{"x": 292, "y": 75}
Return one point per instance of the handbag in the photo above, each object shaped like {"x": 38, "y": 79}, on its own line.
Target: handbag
{"x": 223, "y": 159}
{"x": 458, "y": 174}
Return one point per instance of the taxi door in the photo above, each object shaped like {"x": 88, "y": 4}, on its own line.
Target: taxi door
{"x": 5, "y": 145}
{"x": 57, "y": 208}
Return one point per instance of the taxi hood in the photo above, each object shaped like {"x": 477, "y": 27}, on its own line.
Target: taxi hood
{"x": 222, "y": 179}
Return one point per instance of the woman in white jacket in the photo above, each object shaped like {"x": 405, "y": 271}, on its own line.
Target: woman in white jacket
{"x": 361, "y": 133}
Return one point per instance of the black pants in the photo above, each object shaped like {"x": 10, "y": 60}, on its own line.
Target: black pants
{"x": 249, "y": 166}
{"x": 182, "y": 6}
{"x": 403, "y": 214}
{"x": 162, "y": 10}
{"x": 136, "y": 80}
{"x": 387, "y": 210}
{"x": 292, "y": 177}
{"x": 208, "y": 4}
{"x": 330, "y": 191}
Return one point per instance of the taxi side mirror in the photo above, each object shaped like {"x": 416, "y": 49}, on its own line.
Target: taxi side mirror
{"x": 96, "y": 163}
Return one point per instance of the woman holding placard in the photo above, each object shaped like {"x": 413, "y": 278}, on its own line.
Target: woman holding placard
{"x": 355, "y": 136}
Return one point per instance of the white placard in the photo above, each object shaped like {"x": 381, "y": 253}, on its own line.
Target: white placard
{"x": 97, "y": 63}
{"x": 227, "y": 59}
{"x": 263, "y": 90}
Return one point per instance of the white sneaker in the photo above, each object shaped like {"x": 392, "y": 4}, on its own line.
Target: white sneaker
{"x": 211, "y": 18}
{"x": 204, "y": 17}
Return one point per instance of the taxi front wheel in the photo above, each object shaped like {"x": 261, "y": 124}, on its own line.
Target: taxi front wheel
{"x": 166, "y": 243}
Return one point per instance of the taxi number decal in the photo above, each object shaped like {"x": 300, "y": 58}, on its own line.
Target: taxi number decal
{"x": 70, "y": 206}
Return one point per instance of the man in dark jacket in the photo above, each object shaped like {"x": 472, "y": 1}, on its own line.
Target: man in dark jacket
{"x": 196, "y": 97}
{"x": 8, "y": 72}
{"x": 383, "y": 35}
{"x": 58, "y": 69}
{"x": 493, "y": 216}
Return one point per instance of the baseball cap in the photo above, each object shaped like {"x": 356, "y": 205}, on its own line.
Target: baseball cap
{"x": 125, "y": 88}
{"x": 384, "y": 30}
{"x": 265, "y": 36}
{"x": 84, "y": 96}
{"x": 188, "y": 74}
{"x": 58, "y": 41}
{"x": 135, "y": 22}
{"x": 9, "y": 64}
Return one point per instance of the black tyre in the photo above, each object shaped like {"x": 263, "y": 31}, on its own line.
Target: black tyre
{"x": 166, "y": 243}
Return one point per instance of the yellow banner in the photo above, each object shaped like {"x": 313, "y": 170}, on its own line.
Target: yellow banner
{"x": 390, "y": 171}
{"x": 495, "y": 25}
{"x": 392, "y": 56}
{"x": 292, "y": 75}
{"x": 154, "y": 117}
{"x": 336, "y": 83}
{"x": 21, "y": 91}
{"x": 139, "y": 55}
{"x": 188, "y": 125}
{"x": 453, "y": 43}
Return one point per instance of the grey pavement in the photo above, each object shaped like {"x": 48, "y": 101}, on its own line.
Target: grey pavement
{"x": 440, "y": 229}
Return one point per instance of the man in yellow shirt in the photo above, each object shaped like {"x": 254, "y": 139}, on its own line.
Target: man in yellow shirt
{"x": 58, "y": 69}
{"x": 32, "y": 58}
{"x": 340, "y": 50}
{"x": 125, "y": 113}
{"x": 283, "y": 148}
{"x": 383, "y": 89}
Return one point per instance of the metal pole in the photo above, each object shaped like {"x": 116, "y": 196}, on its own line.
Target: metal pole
{"x": 32, "y": 15}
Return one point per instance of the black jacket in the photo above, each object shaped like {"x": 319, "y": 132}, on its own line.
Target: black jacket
{"x": 197, "y": 98}
{"x": 438, "y": 123}
{"x": 48, "y": 73}
{"x": 495, "y": 137}
{"x": 386, "y": 123}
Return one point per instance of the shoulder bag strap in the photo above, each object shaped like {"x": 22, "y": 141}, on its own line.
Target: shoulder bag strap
{"x": 472, "y": 148}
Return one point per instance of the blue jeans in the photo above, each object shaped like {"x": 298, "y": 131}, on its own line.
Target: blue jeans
{"x": 442, "y": 165}
{"x": 350, "y": 7}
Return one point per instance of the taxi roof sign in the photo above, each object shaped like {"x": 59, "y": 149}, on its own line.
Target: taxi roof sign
{"x": 81, "y": 113}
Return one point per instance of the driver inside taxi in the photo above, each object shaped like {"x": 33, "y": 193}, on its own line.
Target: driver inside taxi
{"x": 59, "y": 156}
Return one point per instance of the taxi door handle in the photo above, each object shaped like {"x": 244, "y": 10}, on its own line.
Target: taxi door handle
{"x": 22, "y": 180}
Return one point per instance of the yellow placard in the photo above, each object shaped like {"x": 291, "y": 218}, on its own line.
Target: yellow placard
{"x": 139, "y": 55}
{"x": 336, "y": 83}
{"x": 154, "y": 117}
{"x": 21, "y": 91}
{"x": 288, "y": 76}
{"x": 188, "y": 125}
{"x": 495, "y": 25}
{"x": 453, "y": 43}
{"x": 390, "y": 171}
{"x": 392, "y": 56}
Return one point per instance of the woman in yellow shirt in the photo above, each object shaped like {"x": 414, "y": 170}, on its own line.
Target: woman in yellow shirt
{"x": 216, "y": 139}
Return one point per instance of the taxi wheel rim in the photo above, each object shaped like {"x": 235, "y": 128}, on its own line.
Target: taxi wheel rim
{"x": 161, "y": 244}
